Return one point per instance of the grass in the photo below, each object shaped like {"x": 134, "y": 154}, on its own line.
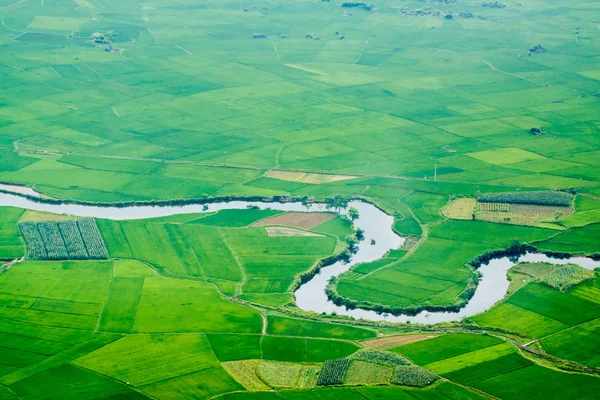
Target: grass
{"x": 229, "y": 347}
{"x": 365, "y": 373}
{"x": 557, "y": 385}
{"x": 577, "y": 343}
{"x": 562, "y": 277}
{"x": 289, "y": 375}
{"x": 461, "y": 209}
{"x": 295, "y": 327}
{"x": 445, "y": 346}
{"x": 519, "y": 320}
{"x": 304, "y": 350}
{"x": 168, "y": 305}
{"x": 159, "y": 357}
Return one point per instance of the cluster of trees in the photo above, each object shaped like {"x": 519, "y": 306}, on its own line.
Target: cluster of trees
{"x": 358, "y": 4}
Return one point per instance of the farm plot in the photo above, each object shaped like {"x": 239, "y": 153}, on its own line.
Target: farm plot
{"x": 520, "y": 214}
{"x": 307, "y": 178}
{"x": 297, "y": 327}
{"x": 297, "y": 219}
{"x": 413, "y": 375}
{"x": 333, "y": 372}
{"x": 11, "y": 246}
{"x": 64, "y": 240}
{"x": 288, "y": 375}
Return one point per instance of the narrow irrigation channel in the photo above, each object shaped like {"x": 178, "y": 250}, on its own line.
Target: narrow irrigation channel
{"x": 379, "y": 238}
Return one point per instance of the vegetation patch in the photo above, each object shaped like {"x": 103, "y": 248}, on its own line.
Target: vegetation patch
{"x": 462, "y": 208}
{"x": 333, "y": 372}
{"x": 413, "y": 375}
{"x": 380, "y": 357}
{"x": 560, "y": 277}
{"x": 245, "y": 373}
{"x": 366, "y": 373}
{"x": 289, "y": 375}
{"x": 543, "y": 198}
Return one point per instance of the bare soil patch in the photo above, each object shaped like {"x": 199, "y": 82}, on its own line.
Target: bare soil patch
{"x": 389, "y": 342}
{"x": 297, "y": 219}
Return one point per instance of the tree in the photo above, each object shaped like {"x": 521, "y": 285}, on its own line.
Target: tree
{"x": 353, "y": 213}
{"x": 337, "y": 202}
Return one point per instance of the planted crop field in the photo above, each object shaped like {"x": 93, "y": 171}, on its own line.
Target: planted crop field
{"x": 64, "y": 240}
{"x": 333, "y": 372}
{"x": 542, "y": 198}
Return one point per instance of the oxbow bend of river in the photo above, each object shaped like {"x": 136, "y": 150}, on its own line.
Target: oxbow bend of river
{"x": 311, "y": 296}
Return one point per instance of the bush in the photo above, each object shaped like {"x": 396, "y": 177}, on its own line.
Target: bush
{"x": 543, "y": 198}
{"x": 333, "y": 372}
{"x": 566, "y": 276}
{"x": 413, "y": 375}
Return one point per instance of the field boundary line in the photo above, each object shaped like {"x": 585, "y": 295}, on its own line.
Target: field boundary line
{"x": 181, "y": 48}
{"x": 277, "y": 163}
{"x": 238, "y": 290}
{"x": 112, "y": 279}
{"x": 187, "y": 239}
{"x": 133, "y": 388}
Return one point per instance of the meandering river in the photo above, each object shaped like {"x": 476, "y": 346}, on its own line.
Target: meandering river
{"x": 311, "y": 296}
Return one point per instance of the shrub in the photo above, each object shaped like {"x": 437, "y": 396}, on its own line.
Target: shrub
{"x": 566, "y": 276}
{"x": 380, "y": 357}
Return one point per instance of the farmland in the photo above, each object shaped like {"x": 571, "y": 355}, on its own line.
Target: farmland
{"x": 474, "y": 126}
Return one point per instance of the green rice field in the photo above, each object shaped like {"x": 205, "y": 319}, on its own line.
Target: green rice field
{"x": 474, "y": 125}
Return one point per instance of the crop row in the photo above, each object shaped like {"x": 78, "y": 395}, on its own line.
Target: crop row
{"x": 497, "y": 207}
{"x": 55, "y": 245}
{"x": 543, "y": 198}
{"x": 35, "y": 243}
{"x": 93, "y": 240}
{"x": 64, "y": 240}
{"x": 333, "y": 372}
{"x": 73, "y": 240}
